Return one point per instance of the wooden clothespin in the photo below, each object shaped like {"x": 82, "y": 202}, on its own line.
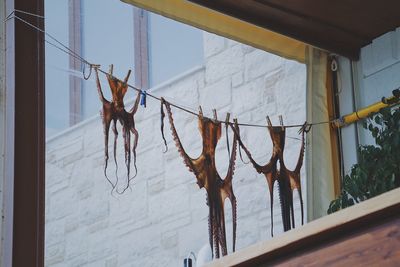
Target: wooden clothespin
{"x": 269, "y": 121}
{"x": 215, "y": 114}
{"x": 127, "y": 76}
{"x": 226, "y": 132}
{"x": 200, "y": 111}
{"x": 111, "y": 69}
{"x": 228, "y": 115}
{"x": 281, "y": 121}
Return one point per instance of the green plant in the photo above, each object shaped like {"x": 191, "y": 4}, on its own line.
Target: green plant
{"x": 378, "y": 169}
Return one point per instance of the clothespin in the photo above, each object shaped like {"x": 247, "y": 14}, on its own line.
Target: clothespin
{"x": 281, "y": 121}
{"x": 215, "y": 114}
{"x": 226, "y": 132}
{"x": 110, "y": 71}
{"x": 228, "y": 115}
{"x": 237, "y": 133}
{"x": 200, "y": 111}
{"x": 143, "y": 99}
{"x": 127, "y": 76}
{"x": 269, "y": 121}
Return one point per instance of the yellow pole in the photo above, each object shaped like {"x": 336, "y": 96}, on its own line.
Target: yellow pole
{"x": 367, "y": 111}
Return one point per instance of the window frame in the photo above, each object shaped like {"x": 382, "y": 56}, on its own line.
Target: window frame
{"x": 26, "y": 126}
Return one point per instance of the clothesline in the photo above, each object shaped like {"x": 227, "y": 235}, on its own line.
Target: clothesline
{"x": 62, "y": 47}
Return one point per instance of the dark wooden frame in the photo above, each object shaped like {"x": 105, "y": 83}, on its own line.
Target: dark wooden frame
{"x": 25, "y": 79}
{"x": 25, "y": 73}
{"x": 340, "y": 27}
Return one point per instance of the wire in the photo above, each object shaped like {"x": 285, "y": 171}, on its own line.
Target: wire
{"x": 28, "y": 13}
{"x": 59, "y": 45}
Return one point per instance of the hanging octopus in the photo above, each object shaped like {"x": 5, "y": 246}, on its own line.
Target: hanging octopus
{"x": 287, "y": 180}
{"x": 115, "y": 111}
{"x": 207, "y": 176}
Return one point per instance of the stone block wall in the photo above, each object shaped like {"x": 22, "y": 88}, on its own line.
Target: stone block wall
{"x": 163, "y": 216}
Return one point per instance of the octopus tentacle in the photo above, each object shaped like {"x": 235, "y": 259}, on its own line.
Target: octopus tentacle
{"x": 210, "y": 228}
{"x": 106, "y": 126}
{"x": 135, "y": 105}
{"x": 271, "y": 197}
{"x": 162, "y": 124}
{"x": 292, "y": 210}
{"x": 227, "y": 133}
{"x": 216, "y": 241}
{"x": 135, "y": 143}
{"x": 227, "y": 187}
{"x": 241, "y": 156}
{"x": 302, "y": 151}
{"x": 222, "y": 232}
{"x": 232, "y": 160}
{"x": 301, "y": 205}
{"x": 237, "y": 133}
{"x": 285, "y": 206}
{"x": 269, "y": 170}
{"x": 127, "y": 145}
{"x": 99, "y": 91}
{"x": 132, "y": 126}
{"x": 272, "y": 213}
{"x": 234, "y": 221}
{"x": 127, "y": 138}
{"x": 115, "y": 148}
{"x": 106, "y": 118}
{"x": 215, "y": 234}
{"x": 186, "y": 159}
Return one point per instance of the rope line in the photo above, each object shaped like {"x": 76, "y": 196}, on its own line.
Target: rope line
{"x": 60, "y": 46}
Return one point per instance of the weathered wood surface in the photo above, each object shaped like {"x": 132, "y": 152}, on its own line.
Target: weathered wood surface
{"x": 365, "y": 234}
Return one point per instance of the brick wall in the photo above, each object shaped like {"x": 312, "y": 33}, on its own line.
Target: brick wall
{"x": 164, "y": 215}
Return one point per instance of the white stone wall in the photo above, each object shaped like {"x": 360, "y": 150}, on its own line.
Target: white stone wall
{"x": 378, "y": 73}
{"x": 164, "y": 215}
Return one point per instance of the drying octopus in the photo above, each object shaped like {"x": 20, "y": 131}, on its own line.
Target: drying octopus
{"x": 287, "y": 180}
{"x": 115, "y": 111}
{"x": 204, "y": 169}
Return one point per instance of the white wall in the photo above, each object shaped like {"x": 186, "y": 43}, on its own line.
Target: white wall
{"x": 365, "y": 82}
{"x": 164, "y": 215}
{"x": 378, "y": 73}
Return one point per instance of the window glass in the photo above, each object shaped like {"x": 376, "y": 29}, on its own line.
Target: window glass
{"x": 163, "y": 215}
{"x": 104, "y": 41}
{"x": 57, "y": 69}
{"x": 173, "y": 48}
{"x": 107, "y": 38}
